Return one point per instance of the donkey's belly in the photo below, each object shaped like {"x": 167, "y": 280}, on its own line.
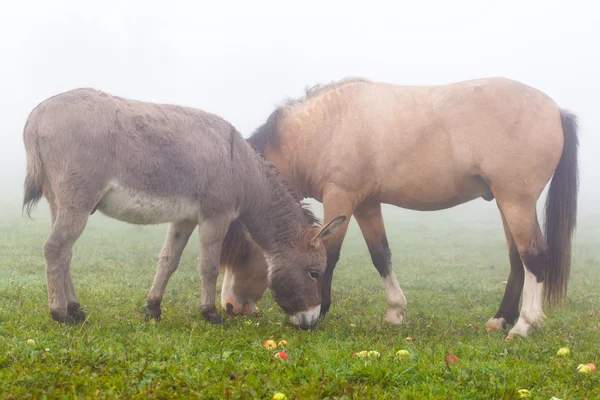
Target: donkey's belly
{"x": 144, "y": 209}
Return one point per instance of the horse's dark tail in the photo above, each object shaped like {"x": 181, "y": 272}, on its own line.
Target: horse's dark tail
{"x": 35, "y": 173}
{"x": 561, "y": 214}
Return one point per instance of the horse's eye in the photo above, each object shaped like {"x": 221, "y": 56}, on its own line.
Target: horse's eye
{"x": 314, "y": 275}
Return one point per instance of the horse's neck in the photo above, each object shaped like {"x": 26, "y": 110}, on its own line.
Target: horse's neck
{"x": 274, "y": 218}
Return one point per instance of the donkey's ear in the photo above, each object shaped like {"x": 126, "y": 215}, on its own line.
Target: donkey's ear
{"x": 324, "y": 231}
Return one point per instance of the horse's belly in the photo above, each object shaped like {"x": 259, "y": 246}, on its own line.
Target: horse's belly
{"x": 428, "y": 196}
{"x": 144, "y": 209}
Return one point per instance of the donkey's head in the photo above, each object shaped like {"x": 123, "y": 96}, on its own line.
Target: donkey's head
{"x": 295, "y": 275}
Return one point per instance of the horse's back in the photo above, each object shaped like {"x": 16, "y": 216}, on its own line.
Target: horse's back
{"x": 425, "y": 147}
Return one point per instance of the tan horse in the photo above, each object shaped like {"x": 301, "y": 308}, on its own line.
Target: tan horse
{"x": 146, "y": 163}
{"x": 356, "y": 144}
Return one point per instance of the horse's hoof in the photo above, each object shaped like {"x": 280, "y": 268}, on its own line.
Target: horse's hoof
{"x": 495, "y": 324}
{"x": 394, "y": 317}
{"x": 522, "y": 328}
{"x": 75, "y": 311}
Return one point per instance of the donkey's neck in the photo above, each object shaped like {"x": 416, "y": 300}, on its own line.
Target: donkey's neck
{"x": 274, "y": 219}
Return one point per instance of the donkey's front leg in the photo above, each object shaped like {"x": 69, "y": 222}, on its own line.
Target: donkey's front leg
{"x": 211, "y": 233}
{"x": 177, "y": 237}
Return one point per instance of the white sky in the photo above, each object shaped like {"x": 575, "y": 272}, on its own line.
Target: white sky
{"x": 240, "y": 59}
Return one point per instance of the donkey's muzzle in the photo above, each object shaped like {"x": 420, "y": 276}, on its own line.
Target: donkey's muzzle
{"x": 306, "y": 319}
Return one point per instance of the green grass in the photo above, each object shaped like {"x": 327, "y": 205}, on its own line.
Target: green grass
{"x": 450, "y": 264}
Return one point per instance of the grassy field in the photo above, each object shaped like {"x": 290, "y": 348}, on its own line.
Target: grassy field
{"x": 450, "y": 264}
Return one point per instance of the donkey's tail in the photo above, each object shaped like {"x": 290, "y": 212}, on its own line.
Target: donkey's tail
{"x": 561, "y": 214}
{"x": 35, "y": 173}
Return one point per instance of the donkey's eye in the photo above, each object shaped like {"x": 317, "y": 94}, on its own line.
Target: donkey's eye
{"x": 314, "y": 275}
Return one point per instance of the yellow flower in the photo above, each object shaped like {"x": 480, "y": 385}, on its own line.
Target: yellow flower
{"x": 279, "y": 396}
{"x": 563, "y": 351}
{"x": 523, "y": 393}
{"x": 402, "y": 353}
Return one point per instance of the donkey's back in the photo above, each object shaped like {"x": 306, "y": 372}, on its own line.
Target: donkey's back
{"x": 135, "y": 161}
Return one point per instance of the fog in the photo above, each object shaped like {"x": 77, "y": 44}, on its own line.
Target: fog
{"x": 239, "y": 60}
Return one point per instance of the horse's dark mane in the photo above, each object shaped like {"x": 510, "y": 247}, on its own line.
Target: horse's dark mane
{"x": 310, "y": 216}
{"x": 268, "y": 133}
{"x": 236, "y": 247}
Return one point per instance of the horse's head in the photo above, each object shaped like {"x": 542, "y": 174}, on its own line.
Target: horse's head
{"x": 245, "y": 277}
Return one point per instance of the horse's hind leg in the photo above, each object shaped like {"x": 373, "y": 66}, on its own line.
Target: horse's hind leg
{"x": 509, "y": 308}
{"x": 177, "y": 238}
{"x": 522, "y": 221}
{"x": 370, "y": 220}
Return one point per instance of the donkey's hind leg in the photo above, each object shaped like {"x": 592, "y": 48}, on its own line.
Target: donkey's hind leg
{"x": 522, "y": 221}
{"x": 509, "y": 308}
{"x": 73, "y": 307}
{"x": 177, "y": 238}
{"x": 370, "y": 221}
{"x": 66, "y": 229}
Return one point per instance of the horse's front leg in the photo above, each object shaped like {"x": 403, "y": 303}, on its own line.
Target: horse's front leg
{"x": 370, "y": 220}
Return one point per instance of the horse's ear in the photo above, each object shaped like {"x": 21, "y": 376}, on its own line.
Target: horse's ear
{"x": 323, "y": 232}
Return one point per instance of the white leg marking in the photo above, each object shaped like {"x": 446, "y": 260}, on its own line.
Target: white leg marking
{"x": 532, "y": 315}
{"x": 396, "y": 300}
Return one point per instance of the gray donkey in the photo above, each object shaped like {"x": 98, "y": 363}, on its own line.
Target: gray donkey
{"x": 147, "y": 163}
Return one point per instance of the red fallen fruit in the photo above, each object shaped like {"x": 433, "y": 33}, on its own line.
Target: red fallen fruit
{"x": 282, "y": 355}
{"x": 451, "y": 359}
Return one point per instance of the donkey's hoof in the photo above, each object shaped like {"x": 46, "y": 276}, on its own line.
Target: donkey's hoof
{"x": 496, "y": 324}
{"x": 212, "y": 316}
{"x": 62, "y": 317}
{"x": 154, "y": 314}
{"x": 75, "y": 311}
{"x": 153, "y": 311}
